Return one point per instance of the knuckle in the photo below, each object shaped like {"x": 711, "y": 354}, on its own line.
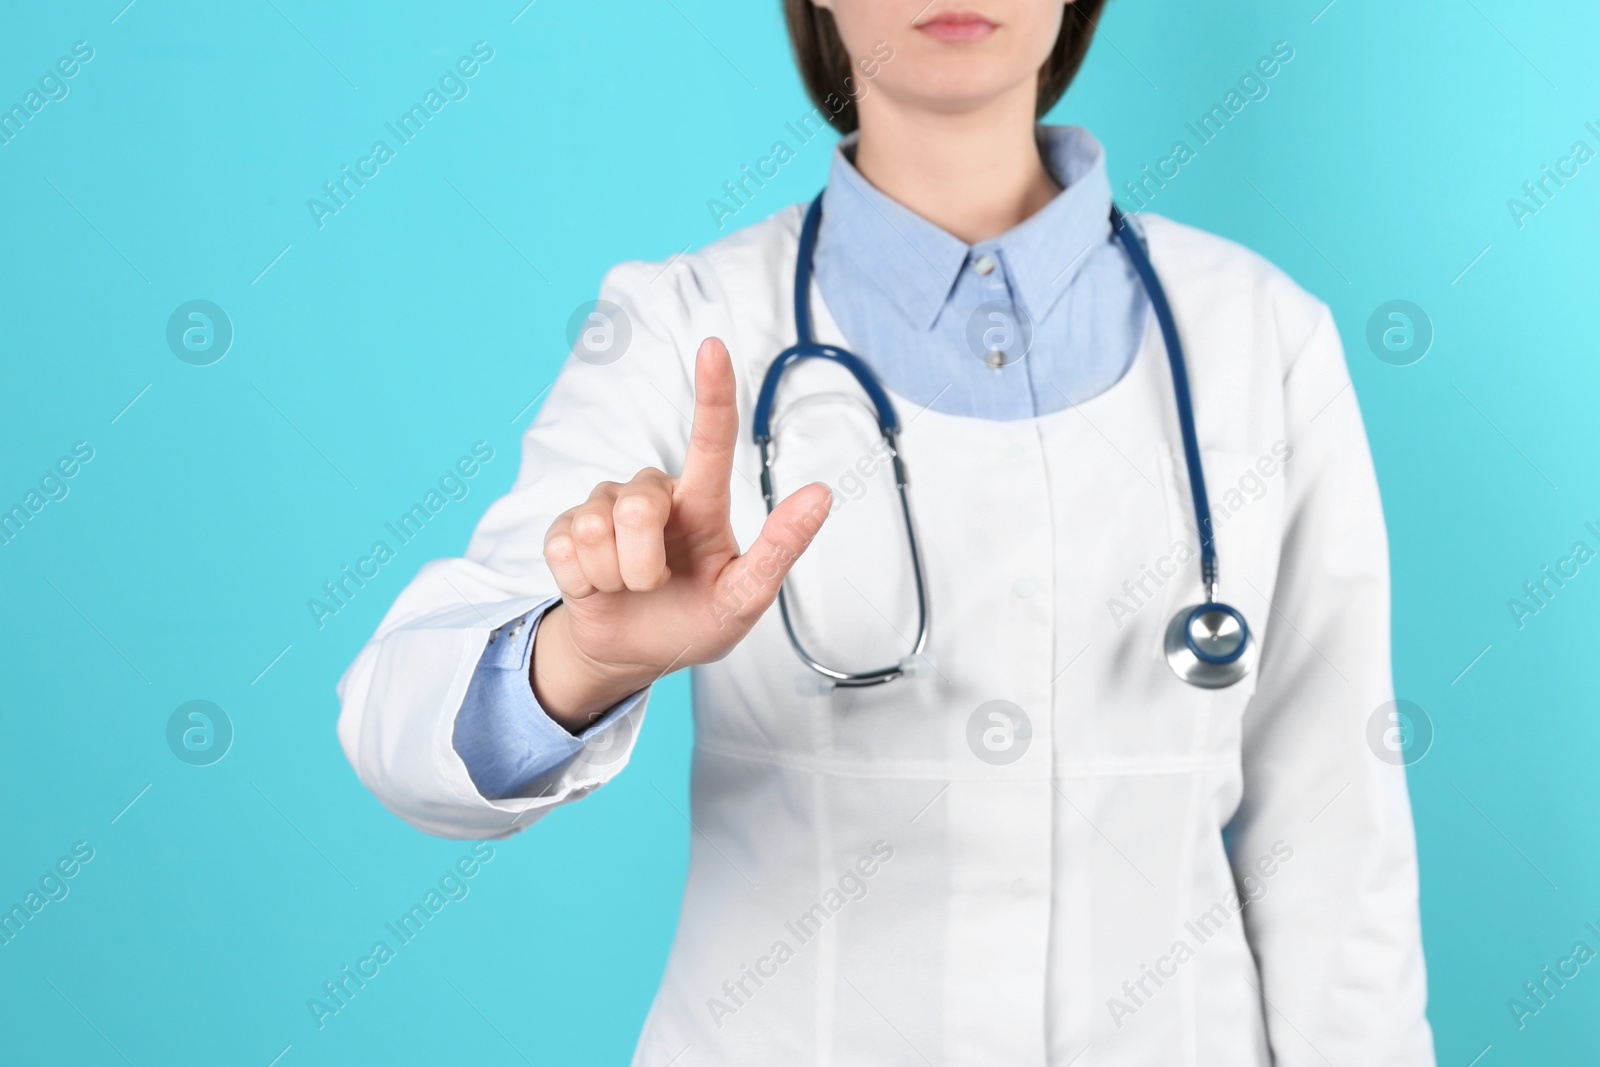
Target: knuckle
{"x": 558, "y": 548}
{"x": 646, "y": 583}
{"x": 591, "y": 527}
{"x": 637, "y": 509}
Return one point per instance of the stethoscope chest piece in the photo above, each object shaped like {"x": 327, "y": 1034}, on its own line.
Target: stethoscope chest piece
{"x": 1209, "y": 645}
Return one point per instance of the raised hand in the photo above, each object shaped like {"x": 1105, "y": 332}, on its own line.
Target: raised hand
{"x": 650, "y": 575}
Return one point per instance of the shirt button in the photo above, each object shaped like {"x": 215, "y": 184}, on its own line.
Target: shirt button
{"x": 984, "y": 265}
{"x": 1023, "y": 587}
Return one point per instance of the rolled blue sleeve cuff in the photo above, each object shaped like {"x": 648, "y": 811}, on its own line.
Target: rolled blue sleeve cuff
{"x": 504, "y": 737}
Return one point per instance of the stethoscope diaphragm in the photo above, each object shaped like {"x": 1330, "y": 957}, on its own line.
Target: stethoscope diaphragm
{"x": 1209, "y": 645}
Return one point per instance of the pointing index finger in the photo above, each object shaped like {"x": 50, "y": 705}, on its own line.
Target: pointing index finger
{"x": 708, "y": 467}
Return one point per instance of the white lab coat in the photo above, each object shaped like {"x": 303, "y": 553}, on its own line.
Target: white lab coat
{"x": 863, "y": 887}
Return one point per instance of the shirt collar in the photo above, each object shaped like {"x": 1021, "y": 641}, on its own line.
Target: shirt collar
{"x": 915, "y": 263}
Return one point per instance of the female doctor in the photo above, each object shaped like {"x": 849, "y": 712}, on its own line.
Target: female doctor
{"x": 1054, "y": 750}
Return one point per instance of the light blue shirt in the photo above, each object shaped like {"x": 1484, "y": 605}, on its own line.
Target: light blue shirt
{"x": 502, "y": 734}
{"x": 1047, "y": 315}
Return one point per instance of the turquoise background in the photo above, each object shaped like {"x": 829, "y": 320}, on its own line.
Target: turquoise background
{"x": 432, "y": 310}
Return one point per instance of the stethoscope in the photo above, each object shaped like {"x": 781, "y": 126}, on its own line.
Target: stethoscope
{"x": 1207, "y": 645}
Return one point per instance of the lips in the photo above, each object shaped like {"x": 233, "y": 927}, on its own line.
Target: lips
{"x": 958, "y": 26}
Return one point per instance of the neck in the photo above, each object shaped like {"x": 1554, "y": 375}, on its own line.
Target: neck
{"x": 975, "y": 174}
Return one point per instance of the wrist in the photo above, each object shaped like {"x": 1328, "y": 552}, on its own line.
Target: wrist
{"x": 571, "y": 687}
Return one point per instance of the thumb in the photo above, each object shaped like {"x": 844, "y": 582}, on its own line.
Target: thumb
{"x": 749, "y": 583}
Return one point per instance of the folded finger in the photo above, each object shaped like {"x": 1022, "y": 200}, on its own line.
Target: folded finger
{"x": 595, "y": 536}
{"x": 561, "y": 556}
{"x": 639, "y": 517}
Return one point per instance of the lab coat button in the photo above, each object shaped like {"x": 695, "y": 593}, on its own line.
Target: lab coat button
{"x": 1019, "y": 887}
{"x": 1016, "y": 453}
{"x": 1023, "y": 587}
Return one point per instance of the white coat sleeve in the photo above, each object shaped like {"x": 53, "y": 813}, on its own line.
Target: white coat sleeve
{"x": 400, "y": 698}
{"x": 1337, "y": 935}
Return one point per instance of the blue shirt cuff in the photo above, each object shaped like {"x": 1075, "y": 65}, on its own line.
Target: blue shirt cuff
{"x": 504, "y": 737}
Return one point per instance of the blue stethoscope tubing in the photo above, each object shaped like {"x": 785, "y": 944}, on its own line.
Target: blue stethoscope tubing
{"x": 1208, "y": 645}
{"x": 888, "y": 426}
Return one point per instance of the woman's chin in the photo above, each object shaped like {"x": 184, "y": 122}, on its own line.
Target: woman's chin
{"x": 953, "y": 92}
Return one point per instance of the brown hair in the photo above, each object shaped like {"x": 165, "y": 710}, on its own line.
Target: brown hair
{"x": 828, "y": 75}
